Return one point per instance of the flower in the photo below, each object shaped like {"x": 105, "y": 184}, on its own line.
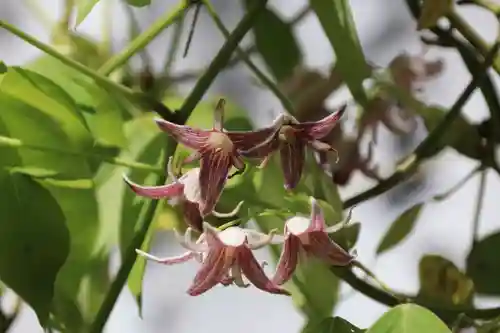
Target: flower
{"x": 185, "y": 191}
{"x": 217, "y": 151}
{"x": 225, "y": 257}
{"x": 309, "y": 236}
{"x": 290, "y": 137}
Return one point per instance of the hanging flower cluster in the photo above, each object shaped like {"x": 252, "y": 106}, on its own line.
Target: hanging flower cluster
{"x": 226, "y": 256}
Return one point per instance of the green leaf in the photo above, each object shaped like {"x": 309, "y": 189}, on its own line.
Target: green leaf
{"x": 331, "y": 325}
{"x": 84, "y": 7}
{"x": 399, "y": 229}
{"x": 408, "y": 318}
{"x": 36, "y": 128}
{"x": 432, "y": 11}
{"x": 139, "y": 3}
{"x": 483, "y": 266}
{"x": 34, "y": 241}
{"x": 3, "y": 67}
{"x": 336, "y": 19}
{"x": 276, "y": 43}
{"x": 78, "y": 202}
{"x": 442, "y": 283}
{"x": 104, "y": 116}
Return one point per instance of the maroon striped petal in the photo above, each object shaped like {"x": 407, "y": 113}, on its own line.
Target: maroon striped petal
{"x": 193, "y": 138}
{"x": 156, "y": 192}
{"x": 254, "y": 272}
{"x": 319, "y": 129}
{"x": 192, "y": 216}
{"x": 214, "y": 170}
{"x": 213, "y": 270}
{"x": 244, "y": 141}
{"x": 321, "y": 246}
{"x": 288, "y": 260}
{"x": 292, "y": 162}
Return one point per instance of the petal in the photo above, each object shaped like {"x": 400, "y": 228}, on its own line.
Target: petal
{"x": 192, "y": 215}
{"x": 288, "y": 260}
{"x": 212, "y": 235}
{"x": 214, "y": 170}
{"x": 238, "y": 277}
{"x": 321, "y": 128}
{"x": 321, "y": 246}
{"x": 254, "y": 272}
{"x": 167, "y": 260}
{"x": 213, "y": 270}
{"x": 155, "y": 192}
{"x": 292, "y": 162}
{"x": 193, "y": 138}
{"x": 317, "y": 217}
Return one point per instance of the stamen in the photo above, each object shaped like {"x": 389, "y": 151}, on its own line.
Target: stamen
{"x": 264, "y": 241}
{"x": 230, "y": 214}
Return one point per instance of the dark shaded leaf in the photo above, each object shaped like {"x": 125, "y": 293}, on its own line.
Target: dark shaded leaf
{"x": 399, "y": 229}
{"x": 3, "y": 67}
{"x": 34, "y": 241}
{"x": 442, "y": 283}
{"x": 483, "y": 265}
{"x": 276, "y": 43}
{"x": 408, "y": 318}
{"x": 139, "y": 3}
{"x": 336, "y": 19}
{"x": 331, "y": 325}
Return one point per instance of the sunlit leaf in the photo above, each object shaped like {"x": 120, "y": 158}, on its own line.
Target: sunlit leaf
{"x": 441, "y": 282}
{"x": 483, "y": 265}
{"x": 276, "y": 43}
{"x": 84, "y": 7}
{"x": 399, "y": 229}
{"x": 336, "y": 19}
{"x": 432, "y": 11}
{"x": 104, "y": 116}
{"x": 34, "y": 241}
{"x": 408, "y": 318}
{"x": 331, "y": 325}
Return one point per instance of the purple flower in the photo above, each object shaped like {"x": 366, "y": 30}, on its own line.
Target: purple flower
{"x": 225, "y": 256}
{"x": 309, "y": 236}
{"x": 291, "y": 137}
{"x": 218, "y": 151}
{"x": 184, "y": 191}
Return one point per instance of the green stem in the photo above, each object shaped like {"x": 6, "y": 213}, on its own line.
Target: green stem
{"x": 287, "y": 104}
{"x": 221, "y": 59}
{"x": 174, "y": 46}
{"x": 423, "y": 149}
{"x": 67, "y": 61}
{"x": 143, "y": 39}
{"x": 16, "y": 143}
{"x": 479, "y": 206}
{"x": 472, "y": 37}
{"x": 190, "y": 102}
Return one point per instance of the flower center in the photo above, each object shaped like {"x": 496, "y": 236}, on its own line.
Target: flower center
{"x": 233, "y": 236}
{"x": 220, "y": 141}
{"x": 297, "y": 225}
{"x": 191, "y": 182}
{"x": 287, "y": 134}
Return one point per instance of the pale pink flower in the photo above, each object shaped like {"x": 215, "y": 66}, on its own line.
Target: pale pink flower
{"x": 309, "y": 236}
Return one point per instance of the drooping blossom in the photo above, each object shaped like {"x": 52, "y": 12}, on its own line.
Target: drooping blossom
{"x": 184, "y": 191}
{"x": 216, "y": 150}
{"x": 225, "y": 256}
{"x": 309, "y": 236}
{"x": 291, "y": 137}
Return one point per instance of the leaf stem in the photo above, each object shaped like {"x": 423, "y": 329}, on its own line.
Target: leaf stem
{"x": 142, "y": 40}
{"x": 426, "y": 146}
{"x": 217, "y": 64}
{"x": 16, "y": 143}
{"x": 479, "y": 205}
{"x": 287, "y": 104}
